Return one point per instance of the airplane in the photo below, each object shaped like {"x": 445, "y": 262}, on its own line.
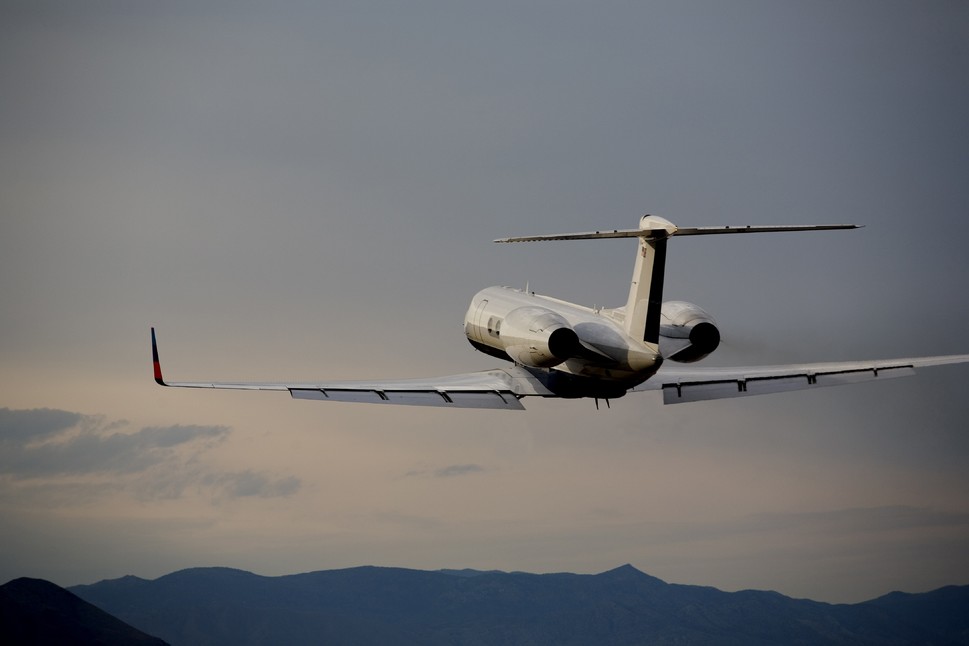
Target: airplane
{"x": 560, "y": 349}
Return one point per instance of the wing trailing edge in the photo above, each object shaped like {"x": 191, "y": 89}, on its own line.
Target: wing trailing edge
{"x": 683, "y": 385}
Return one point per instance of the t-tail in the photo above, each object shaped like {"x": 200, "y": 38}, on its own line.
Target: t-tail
{"x": 645, "y": 302}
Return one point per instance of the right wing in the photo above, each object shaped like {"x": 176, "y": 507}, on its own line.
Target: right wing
{"x": 499, "y": 389}
{"x": 681, "y": 385}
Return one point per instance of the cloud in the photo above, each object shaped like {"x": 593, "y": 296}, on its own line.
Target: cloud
{"x": 22, "y": 426}
{"x": 45, "y": 442}
{"x": 449, "y": 471}
{"x": 56, "y": 458}
{"x": 457, "y": 470}
{"x": 249, "y": 483}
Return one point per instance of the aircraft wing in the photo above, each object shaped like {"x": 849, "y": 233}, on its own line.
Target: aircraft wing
{"x": 681, "y": 385}
{"x": 498, "y": 389}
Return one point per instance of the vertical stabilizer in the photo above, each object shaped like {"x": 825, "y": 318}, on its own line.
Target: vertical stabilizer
{"x": 646, "y": 289}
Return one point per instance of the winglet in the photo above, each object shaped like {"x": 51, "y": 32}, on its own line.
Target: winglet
{"x": 154, "y": 357}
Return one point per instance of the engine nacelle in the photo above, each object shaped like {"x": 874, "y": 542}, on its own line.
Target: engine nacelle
{"x": 537, "y": 337}
{"x": 687, "y": 332}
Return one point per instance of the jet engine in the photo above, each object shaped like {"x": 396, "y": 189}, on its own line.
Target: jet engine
{"x": 687, "y": 333}
{"x": 538, "y": 337}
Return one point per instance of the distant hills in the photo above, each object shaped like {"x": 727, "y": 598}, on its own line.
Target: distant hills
{"x": 371, "y": 605}
{"x": 34, "y": 611}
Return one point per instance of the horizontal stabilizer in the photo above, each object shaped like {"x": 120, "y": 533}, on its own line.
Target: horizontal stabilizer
{"x": 679, "y": 231}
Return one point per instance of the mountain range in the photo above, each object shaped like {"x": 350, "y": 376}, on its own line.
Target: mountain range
{"x": 371, "y": 605}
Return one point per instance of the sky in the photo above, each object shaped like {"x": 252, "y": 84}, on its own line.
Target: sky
{"x": 309, "y": 191}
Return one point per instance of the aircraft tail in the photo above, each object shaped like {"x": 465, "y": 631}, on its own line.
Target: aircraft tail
{"x": 645, "y": 301}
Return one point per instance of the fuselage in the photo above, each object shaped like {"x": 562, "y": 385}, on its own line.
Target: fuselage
{"x": 531, "y": 330}
{"x": 578, "y": 351}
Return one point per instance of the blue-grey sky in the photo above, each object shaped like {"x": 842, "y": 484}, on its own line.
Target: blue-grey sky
{"x": 309, "y": 190}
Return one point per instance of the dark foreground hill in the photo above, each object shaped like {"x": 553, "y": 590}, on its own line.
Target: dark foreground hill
{"x": 370, "y": 605}
{"x": 33, "y": 611}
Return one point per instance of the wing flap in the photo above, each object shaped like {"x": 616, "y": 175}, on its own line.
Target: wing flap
{"x": 493, "y": 399}
{"x": 724, "y": 383}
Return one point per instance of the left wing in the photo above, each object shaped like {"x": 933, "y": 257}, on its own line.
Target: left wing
{"x": 499, "y": 389}
{"x": 681, "y": 385}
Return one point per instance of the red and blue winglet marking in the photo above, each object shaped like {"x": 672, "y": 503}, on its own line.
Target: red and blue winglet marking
{"x": 154, "y": 358}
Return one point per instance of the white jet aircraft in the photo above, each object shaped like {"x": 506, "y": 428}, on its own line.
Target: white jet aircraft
{"x": 559, "y": 349}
